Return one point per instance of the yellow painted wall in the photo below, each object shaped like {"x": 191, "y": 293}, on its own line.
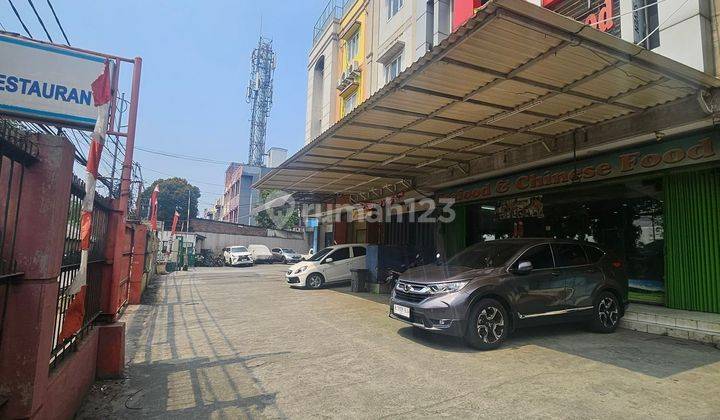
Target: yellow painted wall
{"x": 356, "y": 14}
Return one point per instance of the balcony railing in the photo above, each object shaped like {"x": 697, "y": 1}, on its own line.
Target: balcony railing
{"x": 334, "y": 9}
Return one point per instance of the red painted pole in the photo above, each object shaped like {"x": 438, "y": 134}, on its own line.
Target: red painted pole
{"x": 121, "y": 266}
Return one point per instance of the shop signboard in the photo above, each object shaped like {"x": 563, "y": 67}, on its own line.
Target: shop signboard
{"x": 518, "y": 208}
{"x": 664, "y": 155}
{"x": 600, "y": 14}
{"x": 47, "y": 83}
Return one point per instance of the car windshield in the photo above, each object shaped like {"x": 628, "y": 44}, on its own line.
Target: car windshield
{"x": 288, "y": 250}
{"x": 238, "y": 249}
{"x": 320, "y": 254}
{"x": 486, "y": 255}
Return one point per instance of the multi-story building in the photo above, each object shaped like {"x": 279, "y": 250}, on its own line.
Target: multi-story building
{"x": 216, "y": 211}
{"x": 240, "y": 197}
{"x": 361, "y": 45}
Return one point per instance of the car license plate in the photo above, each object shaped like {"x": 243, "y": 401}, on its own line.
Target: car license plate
{"x": 403, "y": 311}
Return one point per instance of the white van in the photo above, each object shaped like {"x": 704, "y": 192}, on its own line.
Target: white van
{"x": 261, "y": 253}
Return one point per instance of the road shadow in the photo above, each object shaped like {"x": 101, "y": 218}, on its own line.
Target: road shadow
{"x": 344, "y": 288}
{"x": 647, "y": 354}
{"x": 198, "y": 375}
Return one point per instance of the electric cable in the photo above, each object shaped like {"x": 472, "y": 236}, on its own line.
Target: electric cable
{"x": 663, "y": 23}
{"x": 67, "y": 41}
{"x": 17, "y": 14}
{"x": 37, "y": 15}
{"x": 186, "y": 157}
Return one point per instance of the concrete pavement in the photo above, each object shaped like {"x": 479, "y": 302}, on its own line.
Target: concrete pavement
{"x": 238, "y": 343}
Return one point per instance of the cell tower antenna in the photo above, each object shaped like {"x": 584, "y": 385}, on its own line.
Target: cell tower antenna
{"x": 259, "y": 96}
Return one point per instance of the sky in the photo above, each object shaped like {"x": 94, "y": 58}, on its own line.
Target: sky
{"x": 196, "y": 67}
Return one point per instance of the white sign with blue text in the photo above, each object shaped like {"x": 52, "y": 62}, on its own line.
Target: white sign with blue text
{"x": 47, "y": 83}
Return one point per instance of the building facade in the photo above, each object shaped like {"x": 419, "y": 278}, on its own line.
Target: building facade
{"x": 361, "y": 45}
{"x": 240, "y": 197}
{"x": 534, "y": 125}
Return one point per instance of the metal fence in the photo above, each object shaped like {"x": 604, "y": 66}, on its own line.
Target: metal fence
{"x": 70, "y": 266}
{"x": 334, "y": 9}
{"x": 17, "y": 151}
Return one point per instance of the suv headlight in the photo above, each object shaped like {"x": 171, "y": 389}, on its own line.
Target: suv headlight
{"x": 301, "y": 269}
{"x": 446, "y": 287}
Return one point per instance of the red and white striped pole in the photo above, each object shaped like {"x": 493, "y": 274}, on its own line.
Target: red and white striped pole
{"x": 102, "y": 95}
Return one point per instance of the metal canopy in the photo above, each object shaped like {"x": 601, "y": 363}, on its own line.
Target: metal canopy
{"x": 515, "y": 75}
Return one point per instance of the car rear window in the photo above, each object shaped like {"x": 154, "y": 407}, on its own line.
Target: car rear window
{"x": 568, "y": 255}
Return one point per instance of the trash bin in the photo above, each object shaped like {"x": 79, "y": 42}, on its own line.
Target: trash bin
{"x": 358, "y": 278}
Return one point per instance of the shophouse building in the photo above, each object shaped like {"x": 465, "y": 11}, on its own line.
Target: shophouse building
{"x": 571, "y": 119}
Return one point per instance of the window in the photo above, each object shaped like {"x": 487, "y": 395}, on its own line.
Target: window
{"x": 568, "y": 255}
{"x": 393, "y": 7}
{"x": 238, "y": 249}
{"x": 485, "y": 255}
{"x": 393, "y": 68}
{"x": 351, "y": 48}
{"x": 320, "y": 254}
{"x": 349, "y": 103}
{"x": 539, "y": 256}
{"x": 340, "y": 254}
{"x": 645, "y": 23}
{"x": 276, "y": 250}
{"x": 594, "y": 253}
{"x": 358, "y": 251}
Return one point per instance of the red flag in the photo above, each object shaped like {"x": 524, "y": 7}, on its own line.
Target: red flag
{"x": 74, "y": 316}
{"x": 101, "y": 87}
{"x": 85, "y": 229}
{"x": 154, "y": 208}
{"x": 174, "y": 224}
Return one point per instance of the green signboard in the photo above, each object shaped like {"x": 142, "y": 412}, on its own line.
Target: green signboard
{"x": 662, "y": 155}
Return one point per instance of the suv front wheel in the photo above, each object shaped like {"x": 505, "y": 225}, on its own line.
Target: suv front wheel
{"x": 488, "y": 325}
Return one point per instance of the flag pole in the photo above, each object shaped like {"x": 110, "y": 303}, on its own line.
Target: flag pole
{"x": 102, "y": 96}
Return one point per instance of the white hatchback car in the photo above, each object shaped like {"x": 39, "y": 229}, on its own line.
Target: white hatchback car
{"x": 329, "y": 265}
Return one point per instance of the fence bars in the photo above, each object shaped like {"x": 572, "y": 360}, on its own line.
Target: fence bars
{"x": 70, "y": 266}
{"x": 17, "y": 151}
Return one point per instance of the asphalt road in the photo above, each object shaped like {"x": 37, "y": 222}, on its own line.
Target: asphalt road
{"x": 239, "y": 343}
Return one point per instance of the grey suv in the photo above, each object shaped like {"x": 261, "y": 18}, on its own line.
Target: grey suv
{"x": 489, "y": 289}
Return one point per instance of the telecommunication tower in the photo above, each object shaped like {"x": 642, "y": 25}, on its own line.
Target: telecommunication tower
{"x": 259, "y": 95}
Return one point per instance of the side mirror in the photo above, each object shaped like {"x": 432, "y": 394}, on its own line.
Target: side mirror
{"x": 328, "y": 260}
{"x": 524, "y": 267}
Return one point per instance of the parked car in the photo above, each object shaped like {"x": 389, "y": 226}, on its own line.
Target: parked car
{"x": 329, "y": 265}
{"x": 286, "y": 255}
{"x": 237, "y": 255}
{"x": 261, "y": 253}
{"x": 489, "y": 289}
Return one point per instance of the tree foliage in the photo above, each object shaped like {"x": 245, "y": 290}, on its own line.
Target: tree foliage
{"x": 173, "y": 195}
{"x": 287, "y": 215}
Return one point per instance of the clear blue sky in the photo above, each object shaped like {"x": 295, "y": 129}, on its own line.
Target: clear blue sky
{"x": 196, "y": 64}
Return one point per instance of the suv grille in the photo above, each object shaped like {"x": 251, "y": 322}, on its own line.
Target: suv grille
{"x": 410, "y": 297}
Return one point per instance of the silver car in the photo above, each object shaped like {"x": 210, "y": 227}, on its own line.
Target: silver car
{"x": 286, "y": 255}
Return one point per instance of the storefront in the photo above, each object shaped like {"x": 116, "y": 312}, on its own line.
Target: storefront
{"x": 657, "y": 207}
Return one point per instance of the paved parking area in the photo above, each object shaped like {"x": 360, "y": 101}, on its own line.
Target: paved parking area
{"x": 238, "y": 343}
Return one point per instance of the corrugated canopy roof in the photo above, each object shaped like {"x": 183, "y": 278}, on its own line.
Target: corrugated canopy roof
{"x": 515, "y": 74}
